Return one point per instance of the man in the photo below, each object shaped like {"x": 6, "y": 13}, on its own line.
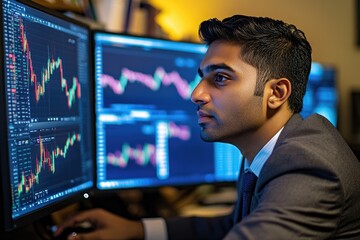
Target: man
{"x": 254, "y": 77}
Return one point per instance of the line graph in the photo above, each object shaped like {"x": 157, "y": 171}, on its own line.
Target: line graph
{"x": 46, "y": 160}
{"x": 52, "y": 65}
{"x": 142, "y": 152}
{"x": 142, "y": 155}
{"x": 153, "y": 82}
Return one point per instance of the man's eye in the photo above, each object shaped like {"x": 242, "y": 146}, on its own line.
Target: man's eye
{"x": 219, "y": 78}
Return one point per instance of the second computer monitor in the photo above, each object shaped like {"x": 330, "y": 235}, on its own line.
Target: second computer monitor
{"x": 146, "y": 125}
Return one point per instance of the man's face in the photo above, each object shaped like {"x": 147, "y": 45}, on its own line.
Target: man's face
{"x": 227, "y": 107}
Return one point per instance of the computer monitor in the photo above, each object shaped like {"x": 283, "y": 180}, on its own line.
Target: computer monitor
{"x": 46, "y": 112}
{"x": 147, "y": 134}
{"x": 322, "y": 93}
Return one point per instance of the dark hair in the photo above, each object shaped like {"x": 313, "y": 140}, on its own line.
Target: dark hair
{"x": 276, "y": 49}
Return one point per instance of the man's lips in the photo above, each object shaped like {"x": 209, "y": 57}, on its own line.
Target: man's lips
{"x": 203, "y": 117}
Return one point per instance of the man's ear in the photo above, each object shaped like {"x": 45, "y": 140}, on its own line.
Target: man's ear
{"x": 279, "y": 91}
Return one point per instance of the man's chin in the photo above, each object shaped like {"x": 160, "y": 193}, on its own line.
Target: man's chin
{"x": 206, "y": 137}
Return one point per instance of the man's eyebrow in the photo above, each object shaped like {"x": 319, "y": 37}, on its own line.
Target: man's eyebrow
{"x": 213, "y": 67}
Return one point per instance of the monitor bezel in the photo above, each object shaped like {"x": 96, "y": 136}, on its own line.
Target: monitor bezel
{"x": 8, "y": 223}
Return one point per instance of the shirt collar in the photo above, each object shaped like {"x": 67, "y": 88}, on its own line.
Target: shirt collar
{"x": 262, "y": 156}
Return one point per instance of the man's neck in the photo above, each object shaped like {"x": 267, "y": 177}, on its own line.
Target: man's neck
{"x": 250, "y": 144}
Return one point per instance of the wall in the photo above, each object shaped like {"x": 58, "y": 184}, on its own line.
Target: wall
{"x": 330, "y": 26}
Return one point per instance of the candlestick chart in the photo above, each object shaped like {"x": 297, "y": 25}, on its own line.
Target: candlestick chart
{"x": 54, "y": 156}
{"x": 144, "y": 148}
{"x": 51, "y": 71}
{"x": 134, "y": 155}
{"x": 142, "y": 153}
{"x": 156, "y": 79}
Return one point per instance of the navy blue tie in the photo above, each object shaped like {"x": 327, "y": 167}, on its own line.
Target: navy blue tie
{"x": 248, "y": 187}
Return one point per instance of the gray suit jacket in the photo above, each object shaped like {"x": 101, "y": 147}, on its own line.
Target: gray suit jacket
{"x": 309, "y": 188}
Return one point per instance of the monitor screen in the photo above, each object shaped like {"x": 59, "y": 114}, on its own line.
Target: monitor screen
{"x": 322, "y": 94}
{"x": 46, "y": 112}
{"x": 146, "y": 125}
